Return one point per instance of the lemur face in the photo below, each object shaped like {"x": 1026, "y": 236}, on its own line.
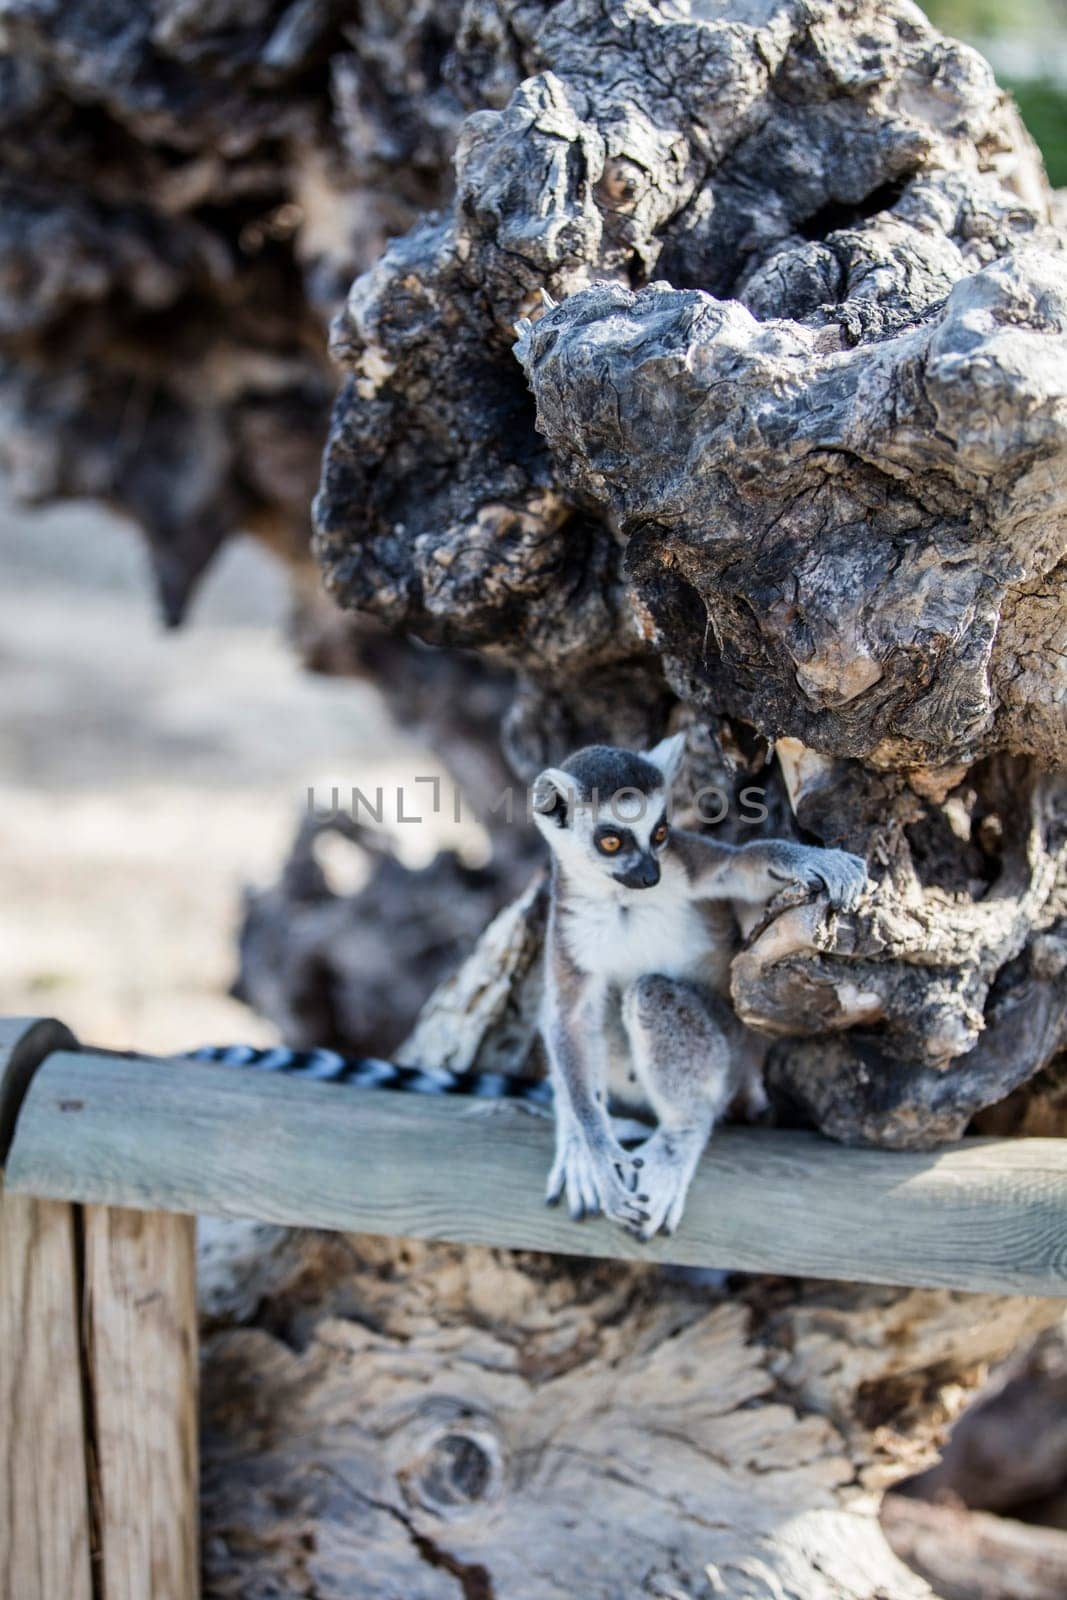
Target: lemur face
{"x": 605, "y": 815}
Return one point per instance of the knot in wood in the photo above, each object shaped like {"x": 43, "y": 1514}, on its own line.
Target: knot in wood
{"x": 457, "y": 1470}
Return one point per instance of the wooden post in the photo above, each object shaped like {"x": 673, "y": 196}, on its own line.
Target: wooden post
{"x": 44, "y": 1491}
{"x": 44, "y": 1487}
{"x": 98, "y": 1444}
{"x": 140, "y": 1330}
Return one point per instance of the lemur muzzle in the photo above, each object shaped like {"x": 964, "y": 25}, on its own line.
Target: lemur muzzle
{"x": 644, "y": 876}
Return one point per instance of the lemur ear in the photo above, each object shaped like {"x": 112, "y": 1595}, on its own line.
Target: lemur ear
{"x": 553, "y": 791}
{"x": 667, "y": 756}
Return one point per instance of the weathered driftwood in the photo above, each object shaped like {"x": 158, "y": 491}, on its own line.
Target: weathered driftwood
{"x": 846, "y": 184}
{"x": 185, "y": 193}
{"x": 439, "y": 1423}
{"x": 351, "y": 970}
{"x": 189, "y": 1137}
{"x": 849, "y": 234}
{"x": 185, "y": 196}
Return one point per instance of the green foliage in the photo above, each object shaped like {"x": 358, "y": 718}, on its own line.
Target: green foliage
{"x": 1044, "y": 108}
{"x": 1041, "y": 24}
{"x": 971, "y": 19}
{"x": 991, "y": 19}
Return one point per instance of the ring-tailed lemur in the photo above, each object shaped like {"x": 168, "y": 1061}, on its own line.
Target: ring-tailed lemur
{"x": 643, "y": 923}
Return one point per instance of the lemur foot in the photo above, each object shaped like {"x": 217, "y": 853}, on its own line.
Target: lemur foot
{"x": 670, "y": 1160}
{"x": 596, "y": 1182}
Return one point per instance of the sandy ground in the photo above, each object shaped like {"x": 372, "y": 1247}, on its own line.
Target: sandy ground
{"x": 146, "y": 777}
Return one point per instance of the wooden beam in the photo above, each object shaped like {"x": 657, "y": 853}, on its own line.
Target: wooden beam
{"x": 140, "y": 1330}
{"x": 44, "y": 1489}
{"x": 987, "y": 1215}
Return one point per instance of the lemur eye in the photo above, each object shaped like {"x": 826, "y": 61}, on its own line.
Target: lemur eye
{"x": 609, "y": 843}
{"x": 660, "y": 835}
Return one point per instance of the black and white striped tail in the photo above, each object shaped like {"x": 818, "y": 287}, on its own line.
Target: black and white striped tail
{"x": 366, "y": 1072}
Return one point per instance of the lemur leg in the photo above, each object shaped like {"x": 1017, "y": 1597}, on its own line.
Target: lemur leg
{"x": 683, "y": 1058}
{"x": 616, "y": 1047}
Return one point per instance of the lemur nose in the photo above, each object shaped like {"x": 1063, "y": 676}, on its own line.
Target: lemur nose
{"x": 644, "y": 876}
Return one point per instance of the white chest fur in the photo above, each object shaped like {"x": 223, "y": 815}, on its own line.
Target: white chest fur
{"x": 644, "y": 931}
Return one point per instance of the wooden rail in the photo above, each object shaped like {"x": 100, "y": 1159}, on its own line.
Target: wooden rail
{"x": 161, "y": 1135}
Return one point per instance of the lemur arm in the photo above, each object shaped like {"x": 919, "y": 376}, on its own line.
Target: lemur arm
{"x": 754, "y": 873}
{"x": 590, "y": 1166}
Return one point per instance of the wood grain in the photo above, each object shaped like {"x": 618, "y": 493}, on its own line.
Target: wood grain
{"x": 140, "y": 1317}
{"x": 44, "y": 1501}
{"x": 982, "y": 1215}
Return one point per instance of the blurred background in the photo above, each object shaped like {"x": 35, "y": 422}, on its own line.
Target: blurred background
{"x": 147, "y": 777}
{"x": 1026, "y": 43}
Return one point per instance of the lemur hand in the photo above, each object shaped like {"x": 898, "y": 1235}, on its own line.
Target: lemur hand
{"x": 843, "y": 876}
{"x": 597, "y": 1176}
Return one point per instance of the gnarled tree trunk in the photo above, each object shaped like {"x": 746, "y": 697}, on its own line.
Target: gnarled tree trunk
{"x": 793, "y": 464}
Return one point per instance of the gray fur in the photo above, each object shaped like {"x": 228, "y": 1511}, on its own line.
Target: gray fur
{"x": 637, "y": 959}
{"x": 605, "y": 769}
